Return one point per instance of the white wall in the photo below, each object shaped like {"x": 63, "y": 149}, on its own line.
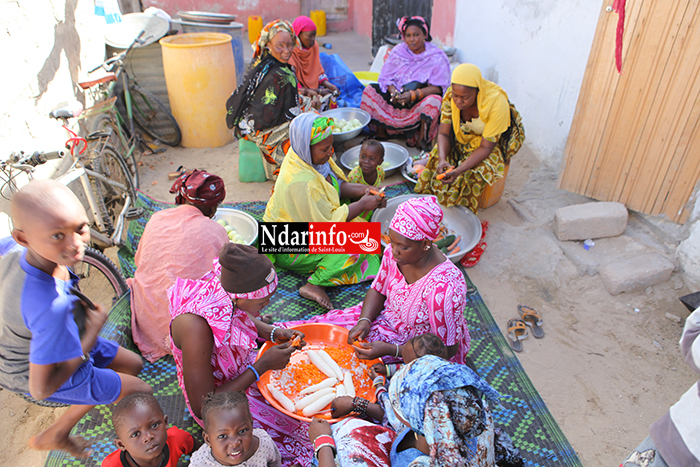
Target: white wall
{"x": 47, "y": 45}
{"x": 537, "y": 51}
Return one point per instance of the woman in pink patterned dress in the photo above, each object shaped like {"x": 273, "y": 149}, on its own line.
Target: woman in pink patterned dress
{"x": 417, "y": 290}
{"x": 213, "y": 331}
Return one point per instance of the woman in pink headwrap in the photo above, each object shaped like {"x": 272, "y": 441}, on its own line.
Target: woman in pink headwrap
{"x": 214, "y": 327}
{"x": 307, "y": 61}
{"x": 417, "y": 290}
{"x": 177, "y": 242}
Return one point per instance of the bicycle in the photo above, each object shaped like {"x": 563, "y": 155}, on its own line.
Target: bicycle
{"x": 141, "y": 106}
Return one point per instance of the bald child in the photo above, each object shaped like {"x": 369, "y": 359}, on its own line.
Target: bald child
{"x": 42, "y": 351}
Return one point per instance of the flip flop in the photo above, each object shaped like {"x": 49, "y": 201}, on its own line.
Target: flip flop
{"x": 517, "y": 331}
{"x": 173, "y": 175}
{"x": 532, "y": 319}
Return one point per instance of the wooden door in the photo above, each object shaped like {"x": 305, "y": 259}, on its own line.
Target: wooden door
{"x": 336, "y": 10}
{"x": 635, "y": 136}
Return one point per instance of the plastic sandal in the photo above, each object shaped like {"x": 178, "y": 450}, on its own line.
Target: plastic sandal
{"x": 532, "y": 319}
{"x": 517, "y": 331}
{"x": 173, "y": 175}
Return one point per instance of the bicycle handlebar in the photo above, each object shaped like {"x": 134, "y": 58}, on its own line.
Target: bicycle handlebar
{"x": 37, "y": 158}
{"x": 107, "y": 64}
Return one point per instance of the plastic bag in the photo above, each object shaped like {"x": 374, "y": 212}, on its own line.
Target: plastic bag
{"x": 340, "y": 75}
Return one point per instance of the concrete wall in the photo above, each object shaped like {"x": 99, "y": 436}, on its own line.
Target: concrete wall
{"x": 537, "y": 51}
{"x": 362, "y": 17}
{"x": 442, "y": 26}
{"x": 47, "y": 47}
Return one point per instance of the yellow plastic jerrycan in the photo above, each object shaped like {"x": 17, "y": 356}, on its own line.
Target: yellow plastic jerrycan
{"x": 319, "y": 19}
{"x": 255, "y": 25}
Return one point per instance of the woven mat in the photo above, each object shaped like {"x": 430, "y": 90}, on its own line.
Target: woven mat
{"x": 524, "y": 416}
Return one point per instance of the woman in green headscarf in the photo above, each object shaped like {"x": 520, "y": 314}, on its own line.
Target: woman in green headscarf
{"x": 309, "y": 189}
{"x": 480, "y": 130}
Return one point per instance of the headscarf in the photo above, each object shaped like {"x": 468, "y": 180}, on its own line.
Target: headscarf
{"x": 321, "y": 129}
{"x": 418, "y": 219}
{"x": 494, "y": 110}
{"x": 245, "y": 273}
{"x": 303, "y": 23}
{"x": 306, "y": 62}
{"x": 268, "y": 32}
{"x": 406, "y": 21}
{"x": 441, "y": 400}
{"x": 300, "y": 134}
{"x": 199, "y": 188}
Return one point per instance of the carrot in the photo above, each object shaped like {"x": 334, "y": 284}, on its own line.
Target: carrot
{"x": 296, "y": 342}
{"x": 456, "y": 250}
{"x": 454, "y": 244}
{"x": 375, "y": 192}
{"x": 442, "y": 175}
{"x": 418, "y": 169}
{"x": 386, "y": 239}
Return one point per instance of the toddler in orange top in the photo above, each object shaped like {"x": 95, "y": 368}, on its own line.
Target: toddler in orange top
{"x": 143, "y": 436}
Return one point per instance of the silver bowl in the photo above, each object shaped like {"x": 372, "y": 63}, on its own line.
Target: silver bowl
{"x": 395, "y": 156}
{"x": 348, "y": 113}
{"x": 458, "y": 219}
{"x": 241, "y": 221}
{"x": 206, "y": 17}
{"x": 406, "y": 172}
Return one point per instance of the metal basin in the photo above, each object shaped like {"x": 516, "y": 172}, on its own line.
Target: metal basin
{"x": 458, "y": 219}
{"x": 347, "y": 114}
{"x": 206, "y": 17}
{"x": 241, "y": 221}
{"x": 395, "y": 156}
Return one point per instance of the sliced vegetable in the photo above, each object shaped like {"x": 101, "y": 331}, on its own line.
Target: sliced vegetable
{"x": 340, "y": 390}
{"x": 317, "y": 406}
{"x": 454, "y": 244}
{"x": 321, "y": 364}
{"x": 349, "y": 386}
{"x": 296, "y": 342}
{"x": 445, "y": 241}
{"x": 281, "y": 398}
{"x": 311, "y": 398}
{"x": 332, "y": 363}
{"x": 326, "y": 383}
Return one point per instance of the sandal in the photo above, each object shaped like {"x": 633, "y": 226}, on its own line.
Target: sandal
{"x": 517, "y": 331}
{"x": 532, "y": 319}
{"x": 173, "y": 175}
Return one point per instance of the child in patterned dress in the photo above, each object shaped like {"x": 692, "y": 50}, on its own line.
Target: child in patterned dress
{"x": 230, "y": 437}
{"x": 368, "y": 170}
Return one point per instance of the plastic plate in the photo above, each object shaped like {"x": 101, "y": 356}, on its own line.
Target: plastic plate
{"x": 318, "y": 336}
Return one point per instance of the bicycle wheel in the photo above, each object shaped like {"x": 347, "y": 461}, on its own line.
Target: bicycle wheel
{"x": 105, "y": 122}
{"x": 153, "y": 117}
{"x": 100, "y": 279}
{"x": 110, "y": 199}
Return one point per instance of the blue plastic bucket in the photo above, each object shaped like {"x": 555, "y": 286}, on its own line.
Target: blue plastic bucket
{"x": 235, "y": 30}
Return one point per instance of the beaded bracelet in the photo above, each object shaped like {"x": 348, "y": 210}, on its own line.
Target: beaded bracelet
{"x": 272, "y": 334}
{"x": 359, "y": 405}
{"x": 257, "y": 375}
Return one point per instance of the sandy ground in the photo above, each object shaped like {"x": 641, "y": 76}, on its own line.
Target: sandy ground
{"x": 607, "y": 367}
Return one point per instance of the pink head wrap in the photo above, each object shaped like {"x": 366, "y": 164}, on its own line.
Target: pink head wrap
{"x": 418, "y": 219}
{"x": 303, "y": 23}
{"x": 260, "y": 293}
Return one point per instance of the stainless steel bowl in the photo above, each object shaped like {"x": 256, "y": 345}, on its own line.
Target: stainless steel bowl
{"x": 348, "y": 113}
{"x": 206, "y": 17}
{"x": 394, "y": 157}
{"x": 241, "y": 221}
{"x": 458, "y": 219}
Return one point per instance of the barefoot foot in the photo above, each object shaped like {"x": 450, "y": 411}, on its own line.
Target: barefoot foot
{"x": 317, "y": 294}
{"x": 47, "y": 441}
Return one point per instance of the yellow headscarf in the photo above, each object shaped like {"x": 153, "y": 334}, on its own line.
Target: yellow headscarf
{"x": 494, "y": 110}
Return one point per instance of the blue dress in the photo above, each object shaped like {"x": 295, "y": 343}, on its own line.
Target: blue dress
{"x": 405, "y": 457}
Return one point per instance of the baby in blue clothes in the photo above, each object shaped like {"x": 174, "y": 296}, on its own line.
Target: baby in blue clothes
{"x": 42, "y": 350}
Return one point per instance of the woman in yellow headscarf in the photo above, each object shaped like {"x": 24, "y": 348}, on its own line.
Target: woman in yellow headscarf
{"x": 479, "y": 132}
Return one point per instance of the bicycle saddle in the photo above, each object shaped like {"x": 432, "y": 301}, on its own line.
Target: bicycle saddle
{"x": 105, "y": 79}
{"x": 68, "y": 110}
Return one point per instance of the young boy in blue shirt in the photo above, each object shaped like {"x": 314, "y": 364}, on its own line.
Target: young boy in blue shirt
{"x": 42, "y": 350}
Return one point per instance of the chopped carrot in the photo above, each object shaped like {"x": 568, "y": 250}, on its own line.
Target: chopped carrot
{"x": 375, "y": 192}
{"x": 442, "y": 175}
{"x": 418, "y": 169}
{"x": 454, "y": 244}
{"x": 386, "y": 239}
{"x": 296, "y": 342}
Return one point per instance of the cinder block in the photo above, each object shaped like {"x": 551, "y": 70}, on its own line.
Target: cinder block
{"x": 590, "y": 220}
{"x": 636, "y": 273}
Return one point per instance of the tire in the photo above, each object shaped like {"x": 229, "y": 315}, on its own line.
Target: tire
{"x": 153, "y": 117}
{"x": 105, "y": 121}
{"x": 110, "y": 200}
{"x": 100, "y": 279}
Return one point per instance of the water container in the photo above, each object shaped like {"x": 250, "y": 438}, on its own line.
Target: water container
{"x": 254, "y": 27}
{"x": 250, "y": 163}
{"x": 200, "y": 75}
{"x": 319, "y": 19}
{"x": 235, "y": 30}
